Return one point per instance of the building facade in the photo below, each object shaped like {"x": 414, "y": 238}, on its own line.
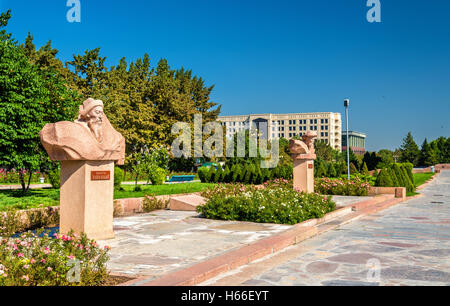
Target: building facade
{"x": 327, "y": 125}
{"x": 356, "y": 140}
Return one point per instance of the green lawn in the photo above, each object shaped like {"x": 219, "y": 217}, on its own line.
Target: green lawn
{"x": 160, "y": 189}
{"x": 32, "y": 199}
{"x": 421, "y": 178}
{"x": 50, "y": 197}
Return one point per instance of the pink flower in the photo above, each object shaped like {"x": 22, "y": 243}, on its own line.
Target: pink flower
{"x": 32, "y": 260}
{"x": 20, "y": 255}
{"x": 49, "y": 269}
{"x": 25, "y": 277}
{"x": 43, "y": 260}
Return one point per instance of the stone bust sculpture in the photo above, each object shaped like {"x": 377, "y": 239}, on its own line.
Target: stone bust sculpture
{"x": 303, "y": 147}
{"x": 90, "y": 137}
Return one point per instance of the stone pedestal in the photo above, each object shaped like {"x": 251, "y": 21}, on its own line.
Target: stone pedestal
{"x": 86, "y": 198}
{"x": 304, "y": 172}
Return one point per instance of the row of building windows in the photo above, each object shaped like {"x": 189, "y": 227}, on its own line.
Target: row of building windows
{"x": 302, "y": 121}
{"x": 323, "y": 134}
{"x": 279, "y": 122}
{"x": 300, "y": 128}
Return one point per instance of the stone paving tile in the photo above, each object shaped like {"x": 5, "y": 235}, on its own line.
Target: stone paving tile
{"x": 407, "y": 244}
{"x": 163, "y": 241}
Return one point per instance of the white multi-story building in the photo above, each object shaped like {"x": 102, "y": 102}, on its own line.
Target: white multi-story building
{"x": 327, "y": 125}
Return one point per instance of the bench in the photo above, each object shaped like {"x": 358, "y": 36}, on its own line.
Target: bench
{"x": 181, "y": 178}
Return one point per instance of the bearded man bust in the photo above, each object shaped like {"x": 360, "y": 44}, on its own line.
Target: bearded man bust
{"x": 90, "y": 137}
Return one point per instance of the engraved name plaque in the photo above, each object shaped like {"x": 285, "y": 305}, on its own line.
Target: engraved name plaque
{"x": 100, "y": 175}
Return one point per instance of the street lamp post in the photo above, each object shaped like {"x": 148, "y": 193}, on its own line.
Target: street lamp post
{"x": 346, "y": 104}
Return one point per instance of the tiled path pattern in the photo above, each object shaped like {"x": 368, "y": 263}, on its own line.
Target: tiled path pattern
{"x": 408, "y": 244}
{"x": 164, "y": 241}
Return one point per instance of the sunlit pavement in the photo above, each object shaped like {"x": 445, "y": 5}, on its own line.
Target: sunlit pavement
{"x": 408, "y": 244}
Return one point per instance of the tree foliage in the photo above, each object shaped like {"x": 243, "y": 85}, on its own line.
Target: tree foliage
{"x": 31, "y": 95}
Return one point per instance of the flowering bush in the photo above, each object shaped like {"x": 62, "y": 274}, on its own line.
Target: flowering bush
{"x": 13, "y": 221}
{"x": 40, "y": 260}
{"x": 12, "y": 176}
{"x": 273, "y": 204}
{"x": 353, "y": 187}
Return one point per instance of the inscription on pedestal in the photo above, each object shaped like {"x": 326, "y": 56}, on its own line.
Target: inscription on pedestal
{"x": 100, "y": 175}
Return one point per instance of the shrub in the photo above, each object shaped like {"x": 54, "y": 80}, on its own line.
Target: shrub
{"x": 353, "y": 169}
{"x": 331, "y": 171}
{"x": 249, "y": 174}
{"x": 273, "y": 204}
{"x": 211, "y": 174}
{"x": 395, "y": 181}
{"x": 118, "y": 177}
{"x": 218, "y": 175}
{"x": 235, "y": 173}
{"x": 158, "y": 176}
{"x": 410, "y": 187}
{"x": 226, "y": 175}
{"x": 383, "y": 179}
{"x": 10, "y": 223}
{"x": 400, "y": 175}
{"x": 353, "y": 187}
{"x": 409, "y": 167}
{"x": 375, "y": 173}
{"x": 321, "y": 170}
{"x": 365, "y": 170}
{"x": 54, "y": 176}
{"x": 203, "y": 174}
{"x": 39, "y": 260}
{"x": 151, "y": 203}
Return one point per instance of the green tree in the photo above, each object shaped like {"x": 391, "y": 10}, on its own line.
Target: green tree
{"x": 365, "y": 170}
{"x": 331, "y": 171}
{"x": 353, "y": 169}
{"x": 395, "y": 181}
{"x": 409, "y": 151}
{"x": 385, "y": 159}
{"x": 383, "y": 179}
{"x": 29, "y": 98}
{"x": 323, "y": 151}
{"x": 211, "y": 174}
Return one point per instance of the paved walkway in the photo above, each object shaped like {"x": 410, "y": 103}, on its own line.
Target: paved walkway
{"x": 408, "y": 244}
{"x": 157, "y": 243}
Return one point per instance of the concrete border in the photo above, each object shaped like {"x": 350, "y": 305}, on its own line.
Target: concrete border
{"x": 231, "y": 260}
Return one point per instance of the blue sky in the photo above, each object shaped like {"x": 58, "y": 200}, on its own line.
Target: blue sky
{"x": 278, "y": 56}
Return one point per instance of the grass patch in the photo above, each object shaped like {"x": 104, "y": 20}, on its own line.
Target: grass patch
{"x": 421, "y": 178}
{"x": 165, "y": 189}
{"x": 50, "y": 197}
{"x": 32, "y": 199}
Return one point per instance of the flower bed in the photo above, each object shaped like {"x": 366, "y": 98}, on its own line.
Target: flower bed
{"x": 12, "y": 176}
{"x": 354, "y": 187}
{"x": 276, "y": 203}
{"x": 40, "y": 260}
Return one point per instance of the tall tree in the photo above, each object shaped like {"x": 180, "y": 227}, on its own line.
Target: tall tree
{"x": 29, "y": 98}
{"x": 409, "y": 151}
